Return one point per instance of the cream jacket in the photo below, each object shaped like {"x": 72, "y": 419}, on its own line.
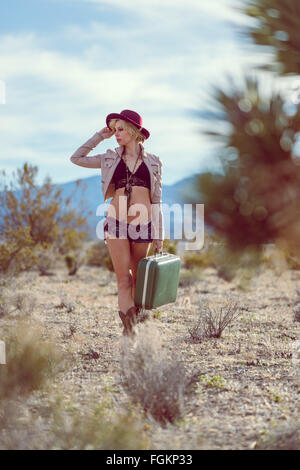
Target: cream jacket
{"x": 108, "y": 162}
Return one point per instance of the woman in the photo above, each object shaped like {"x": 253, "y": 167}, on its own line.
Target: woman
{"x": 132, "y": 177}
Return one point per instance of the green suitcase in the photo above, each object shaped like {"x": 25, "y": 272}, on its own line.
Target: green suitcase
{"x": 157, "y": 280}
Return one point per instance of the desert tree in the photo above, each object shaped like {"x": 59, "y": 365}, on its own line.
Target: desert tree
{"x": 34, "y": 217}
{"x": 276, "y": 28}
{"x": 254, "y": 199}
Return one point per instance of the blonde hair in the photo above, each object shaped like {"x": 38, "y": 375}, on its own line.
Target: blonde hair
{"x": 130, "y": 128}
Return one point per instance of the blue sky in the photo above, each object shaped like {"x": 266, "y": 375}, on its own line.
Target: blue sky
{"x": 66, "y": 64}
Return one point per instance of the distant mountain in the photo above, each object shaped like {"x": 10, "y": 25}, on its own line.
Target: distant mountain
{"x": 91, "y": 197}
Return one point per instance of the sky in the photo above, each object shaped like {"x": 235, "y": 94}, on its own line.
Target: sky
{"x": 66, "y": 64}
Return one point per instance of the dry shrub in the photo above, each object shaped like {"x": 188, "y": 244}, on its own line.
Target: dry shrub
{"x": 226, "y": 272}
{"x": 199, "y": 260}
{"x": 207, "y": 256}
{"x": 75, "y": 259}
{"x": 30, "y": 362}
{"x": 243, "y": 266}
{"x": 277, "y": 257}
{"x": 189, "y": 277}
{"x": 13, "y": 264}
{"x": 212, "y": 321}
{"x": 46, "y": 259}
{"x": 23, "y": 301}
{"x": 12, "y": 302}
{"x": 297, "y": 313}
{"x": 98, "y": 255}
{"x": 216, "y": 254}
{"x": 297, "y": 307}
{"x": 64, "y": 303}
{"x": 155, "y": 378}
{"x": 170, "y": 246}
{"x": 36, "y": 217}
{"x": 4, "y": 303}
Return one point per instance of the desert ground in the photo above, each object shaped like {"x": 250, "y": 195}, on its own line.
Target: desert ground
{"x": 248, "y": 386}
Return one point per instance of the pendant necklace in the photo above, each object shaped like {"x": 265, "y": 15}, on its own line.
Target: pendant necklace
{"x": 128, "y": 187}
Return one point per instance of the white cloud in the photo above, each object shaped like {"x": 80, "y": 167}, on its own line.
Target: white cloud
{"x": 151, "y": 9}
{"x": 57, "y": 99}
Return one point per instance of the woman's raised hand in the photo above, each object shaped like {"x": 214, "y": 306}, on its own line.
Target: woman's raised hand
{"x": 106, "y": 132}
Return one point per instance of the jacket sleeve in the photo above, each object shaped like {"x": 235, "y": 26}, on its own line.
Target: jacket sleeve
{"x": 80, "y": 158}
{"x": 157, "y": 214}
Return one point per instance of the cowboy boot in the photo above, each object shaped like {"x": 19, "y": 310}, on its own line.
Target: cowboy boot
{"x": 132, "y": 313}
{"x": 129, "y": 320}
{"x": 122, "y": 316}
{"x": 138, "y": 309}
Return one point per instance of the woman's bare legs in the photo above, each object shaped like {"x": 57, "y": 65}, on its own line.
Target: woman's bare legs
{"x": 138, "y": 252}
{"x": 119, "y": 250}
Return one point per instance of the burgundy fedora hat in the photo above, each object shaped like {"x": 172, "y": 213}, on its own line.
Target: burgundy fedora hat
{"x": 129, "y": 116}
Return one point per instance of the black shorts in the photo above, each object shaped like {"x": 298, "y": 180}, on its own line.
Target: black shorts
{"x": 115, "y": 228}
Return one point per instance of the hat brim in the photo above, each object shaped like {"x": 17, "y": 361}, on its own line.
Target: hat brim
{"x": 119, "y": 116}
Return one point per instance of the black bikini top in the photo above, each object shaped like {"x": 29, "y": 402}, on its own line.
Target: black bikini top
{"x": 140, "y": 178}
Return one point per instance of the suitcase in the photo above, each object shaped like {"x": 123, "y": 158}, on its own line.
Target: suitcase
{"x": 157, "y": 280}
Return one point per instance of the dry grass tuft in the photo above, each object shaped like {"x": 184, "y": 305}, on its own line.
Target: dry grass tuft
{"x": 30, "y": 362}
{"x": 212, "y": 321}
{"x": 155, "y": 378}
{"x": 94, "y": 429}
{"x": 65, "y": 425}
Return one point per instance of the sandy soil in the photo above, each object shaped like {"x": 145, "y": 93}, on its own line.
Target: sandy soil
{"x": 251, "y": 379}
